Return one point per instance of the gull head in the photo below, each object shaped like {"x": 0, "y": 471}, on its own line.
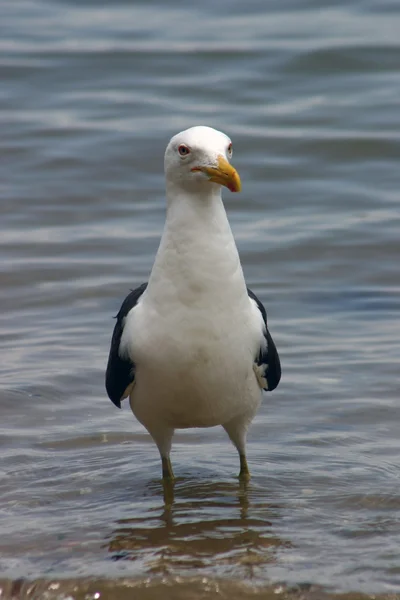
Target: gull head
{"x": 199, "y": 157}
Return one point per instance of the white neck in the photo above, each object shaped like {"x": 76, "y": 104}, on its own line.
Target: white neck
{"x": 197, "y": 252}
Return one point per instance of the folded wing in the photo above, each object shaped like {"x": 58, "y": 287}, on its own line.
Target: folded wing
{"x": 267, "y": 360}
{"x": 120, "y": 373}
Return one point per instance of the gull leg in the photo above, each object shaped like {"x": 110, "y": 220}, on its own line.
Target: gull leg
{"x": 163, "y": 438}
{"x": 167, "y": 471}
{"x": 237, "y": 431}
{"x": 244, "y": 469}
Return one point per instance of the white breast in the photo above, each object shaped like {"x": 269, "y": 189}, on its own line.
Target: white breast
{"x": 195, "y": 333}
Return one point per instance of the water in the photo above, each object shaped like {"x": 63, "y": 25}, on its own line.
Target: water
{"x": 90, "y": 95}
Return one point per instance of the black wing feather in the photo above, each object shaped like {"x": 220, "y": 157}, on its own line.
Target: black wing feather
{"x": 268, "y": 356}
{"x": 120, "y": 371}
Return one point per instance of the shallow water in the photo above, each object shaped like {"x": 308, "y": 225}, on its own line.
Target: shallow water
{"x": 90, "y": 96}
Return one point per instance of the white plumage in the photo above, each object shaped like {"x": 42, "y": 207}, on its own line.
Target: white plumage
{"x": 192, "y": 348}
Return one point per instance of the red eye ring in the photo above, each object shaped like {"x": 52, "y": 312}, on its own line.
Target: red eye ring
{"x": 183, "y": 150}
{"x": 230, "y": 148}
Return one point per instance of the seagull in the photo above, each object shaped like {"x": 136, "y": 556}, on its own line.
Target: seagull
{"x": 191, "y": 348}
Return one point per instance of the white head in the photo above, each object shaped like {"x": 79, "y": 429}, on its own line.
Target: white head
{"x": 198, "y": 156}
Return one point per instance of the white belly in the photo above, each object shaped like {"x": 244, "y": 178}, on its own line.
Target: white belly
{"x": 194, "y": 375}
{"x": 197, "y": 394}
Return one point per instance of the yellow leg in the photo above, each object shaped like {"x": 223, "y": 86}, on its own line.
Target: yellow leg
{"x": 244, "y": 469}
{"x": 167, "y": 471}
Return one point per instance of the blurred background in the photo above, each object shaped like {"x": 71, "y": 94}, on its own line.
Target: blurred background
{"x": 90, "y": 94}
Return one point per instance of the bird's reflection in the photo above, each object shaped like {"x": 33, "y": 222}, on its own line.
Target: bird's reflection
{"x": 168, "y": 493}
{"x": 199, "y": 525}
{"x": 240, "y": 491}
{"x": 243, "y": 498}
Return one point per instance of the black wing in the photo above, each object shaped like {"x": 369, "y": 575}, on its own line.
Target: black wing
{"x": 121, "y": 371}
{"x": 267, "y": 356}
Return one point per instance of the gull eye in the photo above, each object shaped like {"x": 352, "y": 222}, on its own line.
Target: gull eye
{"x": 230, "y": 150}
{"x": 183, "y": 150}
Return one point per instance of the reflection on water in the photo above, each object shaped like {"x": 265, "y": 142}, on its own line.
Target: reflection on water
{"x": 207, "y": 526}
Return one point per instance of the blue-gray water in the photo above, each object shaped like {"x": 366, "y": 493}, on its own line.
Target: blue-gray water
{"x": 309, "y": 92}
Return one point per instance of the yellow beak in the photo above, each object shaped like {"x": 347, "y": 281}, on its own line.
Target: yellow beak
{"x": 224, "y": 174}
